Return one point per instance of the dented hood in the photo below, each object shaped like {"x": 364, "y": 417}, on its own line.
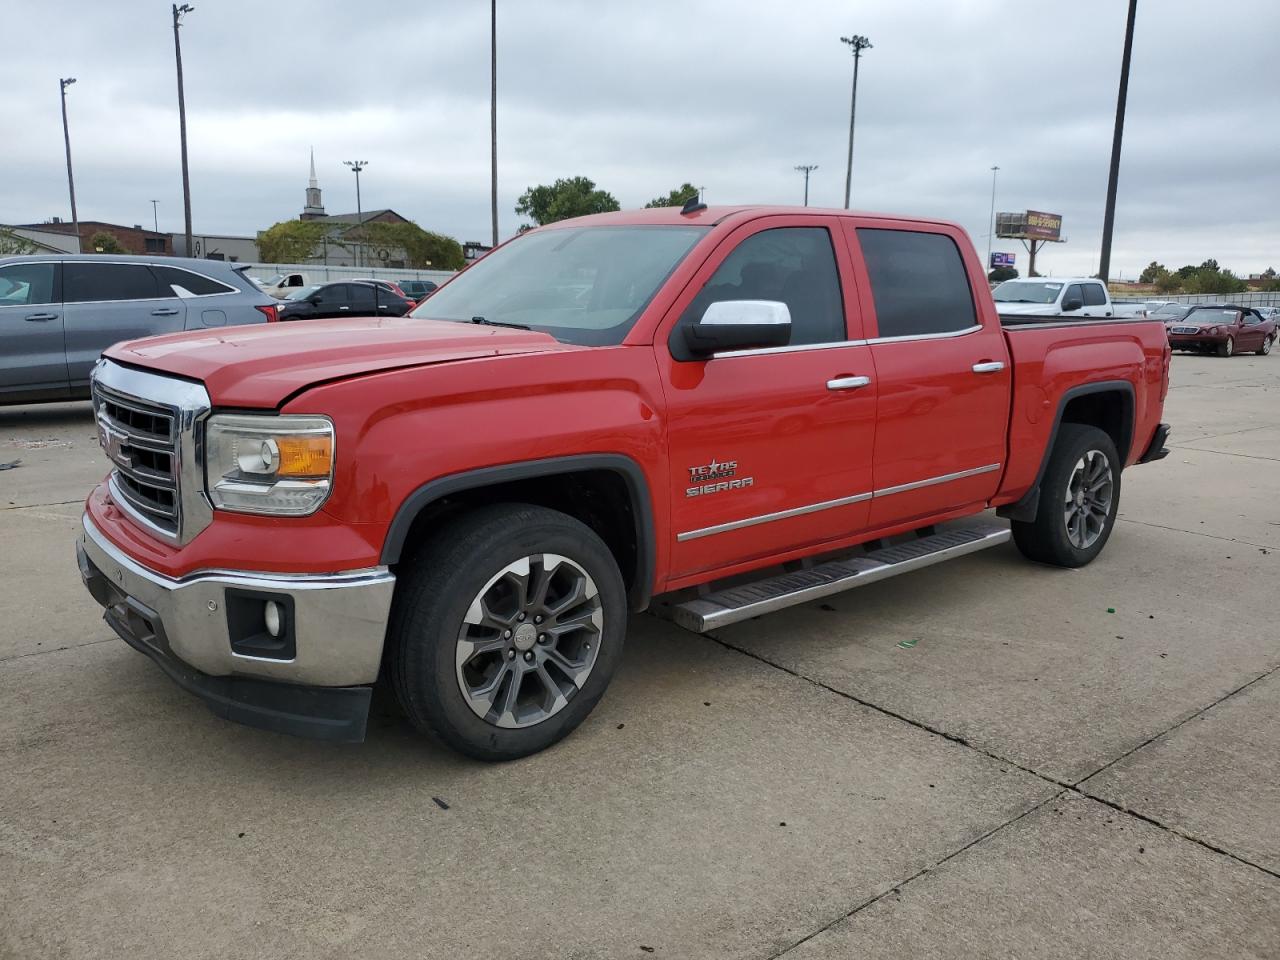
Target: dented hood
{"x": 262, "y": 364}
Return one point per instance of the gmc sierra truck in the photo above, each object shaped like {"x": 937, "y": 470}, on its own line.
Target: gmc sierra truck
{"x": 714, "y": 412}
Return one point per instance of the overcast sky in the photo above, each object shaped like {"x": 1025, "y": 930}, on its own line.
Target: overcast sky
{"x": 641, "y": 96}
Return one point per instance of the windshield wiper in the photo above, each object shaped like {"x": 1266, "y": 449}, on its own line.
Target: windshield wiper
{"x": 500, "y": 323}
{"x": 1020, "y": 301}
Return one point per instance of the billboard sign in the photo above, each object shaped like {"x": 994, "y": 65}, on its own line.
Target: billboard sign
{"x": 1002, "y": 259}
{"x": 1044, "y": 226}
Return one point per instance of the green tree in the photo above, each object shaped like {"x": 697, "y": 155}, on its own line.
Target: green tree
{"x": 1152, "y": 272}
{"x": 1168, "y": 282}
{"x": 574, "y": 197}
{"x": 12, "y": 245}
{"x": 1001, "y": 274}
{"x": 421, "y": 247}
{"x": 105, "y": 242}
{"x": 1186, "y": 272}
{"x": 292, "y": 241}
{"x": 1206, "y": 280}
{"x": 676, "y": 198}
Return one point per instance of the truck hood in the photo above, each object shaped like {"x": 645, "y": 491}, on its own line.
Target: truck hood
{"x": 261, "y": 364}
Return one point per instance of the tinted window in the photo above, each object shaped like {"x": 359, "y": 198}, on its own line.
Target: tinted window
{"x": 361, "y": 295}
{"x": 177, "y": 280}
{"x": 1251, "y": 317}
{"x": 87, "y": 282}
{"x": 918, "y": 282}
{"x": 1094, "y": 295}
{"x": 1073, "y": 292}
{"x": 794, "y": 265}
{"x": 26, "y": 283}
{"x": 332, "y": 293}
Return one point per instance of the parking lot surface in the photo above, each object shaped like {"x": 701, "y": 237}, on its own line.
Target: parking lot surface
{"x": 985, "y": 758}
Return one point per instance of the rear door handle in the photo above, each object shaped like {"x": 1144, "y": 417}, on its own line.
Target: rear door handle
{"x": 848, "y": 383}
{"x": 164, "y": 312}
{"x": 40, "y": 317}
{"x": 988, "y": 366}
{"x": 344, "y": 308}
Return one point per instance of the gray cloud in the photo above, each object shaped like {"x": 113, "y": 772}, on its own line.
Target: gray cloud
{"x": 730, "y": 95}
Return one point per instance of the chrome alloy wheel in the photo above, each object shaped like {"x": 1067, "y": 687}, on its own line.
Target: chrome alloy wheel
{"x": 529, "y": 640}
{"x": 1088, "y": 501}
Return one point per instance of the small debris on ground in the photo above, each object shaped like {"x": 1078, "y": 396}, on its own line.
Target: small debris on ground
{"x": 706, "y": 703}
{"x": 11, "y": 465}
{"x": 621, "y": 725}
{"x": 908, "y": 644}
{"x": 440, "y": 803}
{"x": 1111, "y": 609}
{"x": 830, "y": 609}
{"x": 782, "y": 823}
{"x": 646, "y": 949}
{"x": 240, "y": 836}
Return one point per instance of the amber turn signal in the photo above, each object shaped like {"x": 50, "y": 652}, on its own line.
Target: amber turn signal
{"x": 305, "y": 456}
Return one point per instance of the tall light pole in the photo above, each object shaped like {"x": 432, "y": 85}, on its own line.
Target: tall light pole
{"x": 178, "y": 12}
{"x": 357, "y": 166}
{"x": 71, "y": 181}
{"x": 806, "y": 169}
{"x": 155, "y": 214}
{"x": 1109, "y": 218}
{"x": 991, "y": 222}
{"x": 493, "y": 117}
{"x": 857, "y": 43}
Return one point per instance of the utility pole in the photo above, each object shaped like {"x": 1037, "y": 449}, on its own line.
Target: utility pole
{"x": 857, "y": 43}
{"x": 178, "y": 12}
{"x": 155, "y": 214}
{"x": 1109, "y": 218}
{"x": 357, "y": 166}
{"x": 493, "y": 117}
{"x": 71, "y": 181}
{"x": 991, "y": 223}
{"x": 806, "y": 169}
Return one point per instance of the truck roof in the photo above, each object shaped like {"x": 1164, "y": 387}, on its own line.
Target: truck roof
{"x": 711, "y": 216}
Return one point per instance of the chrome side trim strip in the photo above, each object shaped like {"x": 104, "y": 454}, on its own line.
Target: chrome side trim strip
{"x": 796, "y": 348}
{"x": 932, "y": 481}
{"x": 829, "y": 504}
{"x": 928, "y": 336}
{"x": 768, "y": 517}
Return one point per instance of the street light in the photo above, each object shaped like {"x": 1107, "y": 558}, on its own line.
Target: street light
{"x": 806, "y": 169}
{"x": 71, "y": 181}
{"x": 178, "y": 12}
{"x": 1109, "y": 217}
{"x": 857, "y": 43}
{"x": 991, "y": 222}
{"x": 356, "y": 166}
{"x": 155, "y": 214}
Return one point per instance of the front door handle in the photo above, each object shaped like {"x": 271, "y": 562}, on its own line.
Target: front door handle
{"x": 988, "y": 366}
{"x": 40, "y": 317}
{"x": 164, "y": 312}
{"x": 344, "y": 308}
{"x": 848, "y": 383}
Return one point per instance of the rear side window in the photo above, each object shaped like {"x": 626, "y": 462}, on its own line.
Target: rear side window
{"x": 362, "y": 295}
{"x": 1094, "y": 295}
{"x": 91, "y": 282}
{"x": 22, "y": 284}
{"x": 794, "y": 265}
{"x": 918, "y": 282}
{"x": 184, "y": 283}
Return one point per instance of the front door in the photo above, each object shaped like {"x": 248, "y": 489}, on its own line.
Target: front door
{"x": 33, "y": 361}
{"x": 942, "y": 368}
{"x": 770, "y": 449}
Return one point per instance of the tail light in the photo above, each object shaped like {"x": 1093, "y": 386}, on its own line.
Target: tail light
{"x": 269, "y": 310}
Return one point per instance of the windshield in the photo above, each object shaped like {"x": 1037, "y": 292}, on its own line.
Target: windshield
{"x": 302, "y": 293}
{"x": 1201, "y": 315}
{"x": 584, "y": 285}
{"x": 1026, "y": 291}
{"x": 1174, "y": 310}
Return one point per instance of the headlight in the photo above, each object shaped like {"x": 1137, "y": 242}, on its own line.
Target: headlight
{"x": 279, "y": 465}
{"x": 1214, "y": 330}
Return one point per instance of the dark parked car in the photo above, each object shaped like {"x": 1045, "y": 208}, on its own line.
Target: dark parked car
{"x": 347, "y": 298}
{"x": 418, "y": 289}
{"x": 58, "y": 312}
{"x": 1224, "y": 329}
{"x": 1169, "y": 312}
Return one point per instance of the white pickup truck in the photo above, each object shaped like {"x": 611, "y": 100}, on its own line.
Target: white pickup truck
{"x": 1060, "y": 296}
{"x": 283, "y": 284}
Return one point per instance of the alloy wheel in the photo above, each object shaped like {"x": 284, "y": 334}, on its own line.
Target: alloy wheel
{"x": 529, "y": 641}
{"x": 1088, "y": 501}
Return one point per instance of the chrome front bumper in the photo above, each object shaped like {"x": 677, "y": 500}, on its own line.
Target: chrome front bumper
{"x": 339, "y": 623}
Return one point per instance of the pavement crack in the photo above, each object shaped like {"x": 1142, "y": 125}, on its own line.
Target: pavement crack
{"x": 41, "y": 653}
{"x": 1228, "y": 453}
{"x": 1197, "y": 533}
{"x": 35, "y": 506}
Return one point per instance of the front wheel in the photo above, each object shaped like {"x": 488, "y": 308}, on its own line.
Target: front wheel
{"x": 1266, "y": 345}
{"x": 1079, "y": 497}
{"x": 1227, "y": 347}
{"x": 506, "y": 630}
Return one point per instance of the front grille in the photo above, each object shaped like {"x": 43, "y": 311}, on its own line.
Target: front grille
{"x": 140, "y": 438}
{"x": 1184, "y": 329}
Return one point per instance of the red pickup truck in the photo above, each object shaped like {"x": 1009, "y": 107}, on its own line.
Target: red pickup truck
{"x": 714, "y": 412}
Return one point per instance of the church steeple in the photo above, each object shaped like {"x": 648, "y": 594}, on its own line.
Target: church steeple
{"x": 315, "y": 206}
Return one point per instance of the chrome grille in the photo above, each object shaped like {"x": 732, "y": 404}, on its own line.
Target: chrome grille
{"x": 1184, "y": 329}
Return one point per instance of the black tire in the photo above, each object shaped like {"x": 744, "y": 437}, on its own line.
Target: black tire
{"x": 1046, "y": 538}
{"x": 1266, "y": 345}
{"x": 436, "y": 589}
{"x": 1227, "y": 347}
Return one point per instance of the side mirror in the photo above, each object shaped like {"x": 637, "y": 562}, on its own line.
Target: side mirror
{"x": 1072, "y": 304}
{"x": 739, "y": 325}
{"x": 315, "y": 298}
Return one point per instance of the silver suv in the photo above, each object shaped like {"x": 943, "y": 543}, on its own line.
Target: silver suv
{"x": 59, "y": 312}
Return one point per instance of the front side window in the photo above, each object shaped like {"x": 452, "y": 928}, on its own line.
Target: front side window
{"x": 1094, "y": 295}
{"x": 792, "y": 265}
{"x": 918, "y": 282}
{"x": 23, "y": 284}
{"x": 86, "y": 282}
{"x": 583, "y": 285}
{"x": 1073, "y": 292}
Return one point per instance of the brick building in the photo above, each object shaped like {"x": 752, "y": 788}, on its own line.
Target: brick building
{"x": 134, "y": 239}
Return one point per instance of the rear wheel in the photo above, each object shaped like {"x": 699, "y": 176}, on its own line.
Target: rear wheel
{"x": 1266, "y": 345}
{"x": 506, "y": 630}
{"x": 1079, "y": 496}
{"x": 1227, "y": 348}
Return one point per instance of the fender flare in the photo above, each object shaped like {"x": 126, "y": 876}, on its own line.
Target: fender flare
{"x": 1025, "y": 508}
{"x": 624, "y": 466}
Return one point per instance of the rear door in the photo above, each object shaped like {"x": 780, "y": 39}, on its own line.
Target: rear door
{"x": 109, "y": 302}
{"x": 332, "y": 300}
{"x": 942, "y": 370}
{"x": 1095, "y": 300}
{"x": 33, "y": 359}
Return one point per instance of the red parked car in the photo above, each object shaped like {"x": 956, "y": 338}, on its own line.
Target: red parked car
{"x": 1223, "y": 329}
{"x": 659, "y": 407}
